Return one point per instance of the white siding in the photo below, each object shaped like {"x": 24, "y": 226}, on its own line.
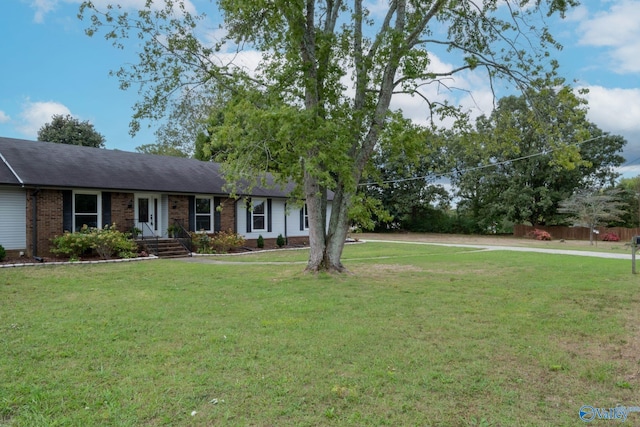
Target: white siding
{"x": 293, "y": 222}
{"x": 277, "y": 221}
{"x": 13, "y": 218}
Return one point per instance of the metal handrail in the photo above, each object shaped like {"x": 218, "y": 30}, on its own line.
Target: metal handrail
{"x": 183, "y": 236}
{"x": 153, "y": 236}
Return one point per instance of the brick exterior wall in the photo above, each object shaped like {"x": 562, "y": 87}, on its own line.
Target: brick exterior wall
{"x": 49, "y": 221}
{"x": 181, "y": 211}
{"x": 227, "y": 214}
{"x": 50, "y": 217}
{"x": 122, "y": 211}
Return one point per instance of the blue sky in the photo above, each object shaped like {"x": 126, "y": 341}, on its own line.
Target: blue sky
{"x": 51, "y": 67}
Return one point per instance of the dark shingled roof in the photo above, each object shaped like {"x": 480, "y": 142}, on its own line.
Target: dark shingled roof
{"x": 6, "y": 176}
{"x": 46, "y": 164}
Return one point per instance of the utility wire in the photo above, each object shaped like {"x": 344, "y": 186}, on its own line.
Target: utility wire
{"x": 434, "y": 176}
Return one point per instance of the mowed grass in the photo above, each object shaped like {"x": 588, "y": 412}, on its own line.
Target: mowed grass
{"x": 414, "y": 335}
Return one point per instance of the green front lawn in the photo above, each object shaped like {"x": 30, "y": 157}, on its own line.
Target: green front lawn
{"x": 415, "y": 335}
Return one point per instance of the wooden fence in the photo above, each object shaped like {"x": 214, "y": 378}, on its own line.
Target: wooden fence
{"x": 576, "y": 233}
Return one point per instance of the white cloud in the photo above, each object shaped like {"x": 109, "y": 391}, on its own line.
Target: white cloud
{"x": 4, "y": 118}
{"x": 577, "y": 14}
{"x": 613, "y": 109}
{"x": 617, "y": 29}
{"x": 42, "y": 7}
{"x": 617, "y": 111}
{"x": 36, "y": 114}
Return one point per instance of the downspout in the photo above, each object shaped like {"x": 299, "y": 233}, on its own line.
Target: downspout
{"x": 286, "y": 234}
{"x": 34, "y": 225}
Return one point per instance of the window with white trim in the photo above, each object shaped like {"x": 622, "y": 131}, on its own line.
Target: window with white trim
{"x": 204, "y": 214}
{"x": 86, "y": 210}
{"x": 259, "y": 214}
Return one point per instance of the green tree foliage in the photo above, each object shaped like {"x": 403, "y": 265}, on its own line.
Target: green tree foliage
{"x": 69, "y": 130}
{"x": 162, "y": 149}
{"x": 316, "y": 106}
{"x": 629, "y": 191}
{"x": 184, "y": 133}
{"x": 593, "y": 207}
{"x": 532, "y": 152}
{"x": 403, "y": 172}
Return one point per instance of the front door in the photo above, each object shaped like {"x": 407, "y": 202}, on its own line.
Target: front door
{"x": 148, "y": 215}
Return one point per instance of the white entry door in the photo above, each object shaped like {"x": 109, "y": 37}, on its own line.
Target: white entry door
{"x": 148, "y": 214}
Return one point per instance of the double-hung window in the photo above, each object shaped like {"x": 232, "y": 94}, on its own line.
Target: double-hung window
{"x": 259, "y": 215}
{"x": 204, "y": 214}
{"x": 305, "y": 217}
{"x": 86, "y": 210}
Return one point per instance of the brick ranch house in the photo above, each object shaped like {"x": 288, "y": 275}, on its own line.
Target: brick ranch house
{"x": 47, "y": 189}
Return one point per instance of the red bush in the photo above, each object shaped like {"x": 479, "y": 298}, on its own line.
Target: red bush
{"x": 541, "y": 235}
{"x": 610, "y": 237}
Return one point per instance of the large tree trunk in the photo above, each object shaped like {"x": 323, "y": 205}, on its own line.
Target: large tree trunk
{"x": 326, "y": 243}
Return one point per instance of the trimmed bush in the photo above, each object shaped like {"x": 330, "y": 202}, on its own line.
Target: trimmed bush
{"x": 110, "y": 242}
{"x": 202, "y": 241}
{"x": 221, "y": 242}
{"x": 72, "y": 245}
{"x": 3, "y": 253}
{"x": 107, "y": 243}
{"x": 225, "y": 241}
{"x": 260, "y": 242}
{"x": 280, "y": 241}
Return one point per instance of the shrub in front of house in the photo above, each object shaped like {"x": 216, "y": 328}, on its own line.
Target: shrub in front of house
{"x": 225, "y": 241}
{"x": 107, "y": 243}
{"x": 260, "y": 242}
{"x": 110, "y": 242}
{"x": 202, "y": 243}
{"x": 280, "y": 242}
{"x": 72, "y": 245}
{"x": 3, "y": 253}
{"x": 221, "y": 242}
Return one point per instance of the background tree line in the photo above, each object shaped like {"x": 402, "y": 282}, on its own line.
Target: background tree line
{"x": 524, "y": 163}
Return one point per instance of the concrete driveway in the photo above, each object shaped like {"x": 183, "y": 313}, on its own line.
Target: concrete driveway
{"x": 512, "y": 248}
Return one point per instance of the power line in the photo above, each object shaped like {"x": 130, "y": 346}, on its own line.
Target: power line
{"x": 461, "y": 171}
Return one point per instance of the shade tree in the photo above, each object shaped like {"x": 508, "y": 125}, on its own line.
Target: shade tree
{"x": 316, "y": 106}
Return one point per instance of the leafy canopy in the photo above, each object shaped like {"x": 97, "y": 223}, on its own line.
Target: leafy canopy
{"x": 69, "y": 130}
{"x": 532, "y": 152}
{"x": 315, "y": 107}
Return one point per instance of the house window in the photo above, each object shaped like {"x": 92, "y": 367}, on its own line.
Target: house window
{"x": 305, "y": 216}
{"x": 204, "y": 214}
{"x": 258, "y": 214}
{"x": 86, "y": 210}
